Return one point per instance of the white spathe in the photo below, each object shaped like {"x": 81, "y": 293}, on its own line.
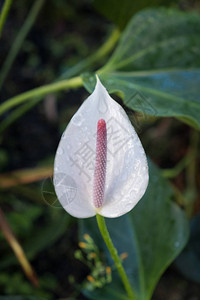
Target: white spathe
{"x": 127, "y": 170}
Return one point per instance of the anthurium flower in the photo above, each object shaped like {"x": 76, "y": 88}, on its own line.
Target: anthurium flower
{"x": 100, "y": 165}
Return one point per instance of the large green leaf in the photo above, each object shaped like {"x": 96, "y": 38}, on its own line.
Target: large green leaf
{"x": 166, "y": 41}
{"x": 158, "y": 38}
{"x": 153, "y": 234}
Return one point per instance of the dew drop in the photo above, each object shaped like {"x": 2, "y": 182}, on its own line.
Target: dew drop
{"x": 63, "y": 136}
{"x": 84, "y": 129}
{"x": 109, "y": 82}
{"x": 129, "y": 205}
{"x": 176, "y": 244}
{"x": 91, "y": 79}
{"x": 130, "y": 85}
{"x": 77, "y": 119}
{"x": 102, "y": 106}
{"x": 124, "y": 177}
{"x": 60, "y": 151}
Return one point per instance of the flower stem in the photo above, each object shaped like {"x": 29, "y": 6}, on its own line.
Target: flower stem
{"x": 20, "y": 37}
{"x": 17, "y": 113}
{"x": 40, "y": 91}
{"x": 113, "y": 251}
{"x": 88, "y": 63}
{"x": 4, "y": 13}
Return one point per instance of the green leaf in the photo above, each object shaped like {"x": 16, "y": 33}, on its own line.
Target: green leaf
{"x": 161, "y": 228}
{"x": 157, "y": 93}
{"x": 45, "y": 238}
{"x": 158, "y": 38}
{"x": 163, "y": 94}
{"x": 152, "y": 234}
{"x": 188, "y": 263}
{"x": 166, "y": 41}
{"x": 121, "y": 14}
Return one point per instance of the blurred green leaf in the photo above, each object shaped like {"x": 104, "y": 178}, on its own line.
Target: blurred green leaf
{"x": 158, "y": 38}
{"x": 152, "y": 234}
{"x": 165, "y": 41}
{"x": 46, "y": 236}
{"x": 23, "y": 226}
{"x": 3, "y": 158}
{"x": 188, "y": 263}
{"x": 17, "y": 285}
{"x": 121, "y": 14}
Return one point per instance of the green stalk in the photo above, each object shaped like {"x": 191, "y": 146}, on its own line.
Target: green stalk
{"x": 40, "y": 91}
{"x": 113, "y": 251}
{"x": 16, "y": 45}
{"x": 181, "y": 165}
{"x": 101, "y": 53}
{"x": 17, "y": 113}
{"x": 4, "y": 13}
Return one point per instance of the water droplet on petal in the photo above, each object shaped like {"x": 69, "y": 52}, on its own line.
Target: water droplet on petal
{"x": 60, "y": 151}
{"x": 102, "y": 105}
{"x": 77, "y": 119}
{"x": 63, "y": 136}
{"x": 85, "y": 128}
{"x": 109, "y": 82}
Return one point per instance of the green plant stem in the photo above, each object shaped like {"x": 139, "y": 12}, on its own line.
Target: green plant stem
{"x": 113, "y": 251}
{"x": 4, "y": 13}
{"x": 107, "y": 46}
{"x": 188, "y": 161}
{"x": 191, "y": 190}
{"x": 192, "y": 167}
{"x": 40, "y": 91}
{"x": 16, "y": 45}
{"x": 171, "y": 173}
{"x": 17, "y": 113}
{"x": 101, "y": 53}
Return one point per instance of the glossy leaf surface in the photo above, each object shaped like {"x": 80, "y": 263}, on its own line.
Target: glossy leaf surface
{"x": 151, "y": 68}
